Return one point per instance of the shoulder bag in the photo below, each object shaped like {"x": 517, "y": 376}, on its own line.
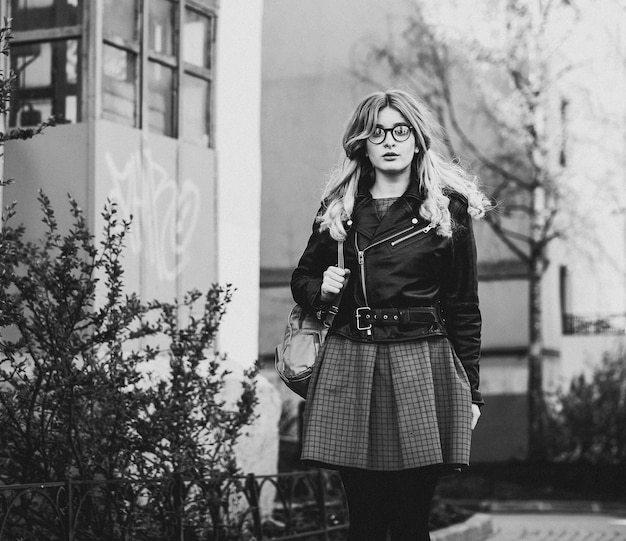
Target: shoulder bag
{"x": 304, "y": 335}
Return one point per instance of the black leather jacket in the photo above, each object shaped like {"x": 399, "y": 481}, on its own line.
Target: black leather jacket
{"x": 401, "y": 262}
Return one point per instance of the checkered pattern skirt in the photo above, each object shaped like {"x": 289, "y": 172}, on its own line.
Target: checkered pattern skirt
{"x": 387, "y": 406}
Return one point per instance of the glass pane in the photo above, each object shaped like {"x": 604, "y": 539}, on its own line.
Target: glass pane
{"x": 161, "y": 29}
{"x": 32, "y": 64}
{"x": 120, "y": 19}
{"x": 119, "y": 96}
{"x": 71, "y": 108}
{"x": 161, "y": 99}
{"x": 197, "y": 39}
{"x": 47, "y": 81}
{"x": 31, "y": 111}
{"x": 33, "y": 14}
{"x": 195, "y": 103}
{"x": 71, "y": 64}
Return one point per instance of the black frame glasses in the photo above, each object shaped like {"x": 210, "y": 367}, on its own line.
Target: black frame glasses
{"x": 397, "y": 132}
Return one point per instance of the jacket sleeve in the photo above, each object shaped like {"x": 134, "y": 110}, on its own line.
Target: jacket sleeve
{"x": 306, "y": 279}
{"x": 459, "y": 297}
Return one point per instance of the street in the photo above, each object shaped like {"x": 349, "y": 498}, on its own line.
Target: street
{"x": 549, "y": 527}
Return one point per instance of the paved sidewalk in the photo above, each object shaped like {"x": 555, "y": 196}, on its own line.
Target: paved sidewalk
{"x": 557, "y": 527}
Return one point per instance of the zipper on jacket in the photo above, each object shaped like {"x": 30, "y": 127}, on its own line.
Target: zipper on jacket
{"x": 422, "y": 230}
{"x": 361, "y": 253}
{"x": 361, "y": 259}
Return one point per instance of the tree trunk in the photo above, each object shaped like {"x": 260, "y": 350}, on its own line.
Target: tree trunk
{"x": 538, "y": 108}
{"x": 536, "y": 402}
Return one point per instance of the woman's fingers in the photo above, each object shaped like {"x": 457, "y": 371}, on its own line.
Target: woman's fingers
{"x": 333, "y": 280}
{"x": 334, "y": 277}
{"x": 475, "y": 415}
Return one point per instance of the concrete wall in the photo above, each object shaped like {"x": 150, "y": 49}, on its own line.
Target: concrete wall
{"x": 162, "y": 183}
{"x": 238, "y": 110}
{"x": 166, "y": 186}
{"x": 44, "y": 163}
{"x": 238, "y": 120}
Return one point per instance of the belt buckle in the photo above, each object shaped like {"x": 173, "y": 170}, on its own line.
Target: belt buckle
{"x": 358, "y": 317}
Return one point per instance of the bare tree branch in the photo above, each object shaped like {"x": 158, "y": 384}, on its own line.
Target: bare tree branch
{"x": 505, "y": 236}
{"x": 487, "y": 162}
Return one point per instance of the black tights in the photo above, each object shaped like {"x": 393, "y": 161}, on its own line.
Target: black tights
{"x": 397, "y": 502}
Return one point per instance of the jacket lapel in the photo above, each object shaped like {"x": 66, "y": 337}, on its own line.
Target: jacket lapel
{"x": 366, "y": 222}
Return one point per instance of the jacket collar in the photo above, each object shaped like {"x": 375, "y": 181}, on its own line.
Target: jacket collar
{"x": 413, "y": 192}
{"x": 364, "y": 214}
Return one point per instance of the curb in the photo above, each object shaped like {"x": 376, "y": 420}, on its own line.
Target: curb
{"x": 543, "y": 506}
{"x": 478, "y": 527}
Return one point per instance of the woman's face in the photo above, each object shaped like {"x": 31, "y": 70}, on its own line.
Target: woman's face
{"x": 387, "y": 151}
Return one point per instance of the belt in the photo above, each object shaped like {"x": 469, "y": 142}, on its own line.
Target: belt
{"x": 367, "y": 317}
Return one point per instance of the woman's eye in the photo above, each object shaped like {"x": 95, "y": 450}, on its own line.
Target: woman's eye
{"x": 378, "y": 132}
{"x": 401, "y": 130}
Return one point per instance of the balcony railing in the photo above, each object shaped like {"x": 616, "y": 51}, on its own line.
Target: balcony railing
{"x": 606, "y": 324}
{"x": 301, "y": 505}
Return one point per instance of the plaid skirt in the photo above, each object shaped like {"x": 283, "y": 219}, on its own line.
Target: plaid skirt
{"x": 387, "y": 406}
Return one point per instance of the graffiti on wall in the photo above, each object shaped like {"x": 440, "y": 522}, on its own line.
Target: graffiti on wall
{"x": 165, "y": 213}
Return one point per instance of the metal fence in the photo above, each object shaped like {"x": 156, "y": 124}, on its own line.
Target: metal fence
{"x": 606, "y": 324}
{"x": 300, "y": 505}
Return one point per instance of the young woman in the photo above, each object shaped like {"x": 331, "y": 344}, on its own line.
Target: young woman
{"x": 394, "y": 393}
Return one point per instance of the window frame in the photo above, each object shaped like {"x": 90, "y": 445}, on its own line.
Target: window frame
{"x": 132, "y": 47}
{"x": 52, "y": 36}
{"x": 204, "y": 73}
{"x": 92, "y": 37}
{"x": 170, "y": 62}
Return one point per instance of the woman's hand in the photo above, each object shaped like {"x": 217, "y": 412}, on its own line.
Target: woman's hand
{"x": 334, "y": 278}
{"x": 475, "y": 415}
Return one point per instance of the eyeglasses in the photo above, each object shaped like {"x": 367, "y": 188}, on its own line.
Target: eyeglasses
{"x": 400, "y": 133}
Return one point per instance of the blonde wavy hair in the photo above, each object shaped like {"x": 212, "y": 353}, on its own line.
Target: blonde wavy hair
{"x": 436, "y": 175}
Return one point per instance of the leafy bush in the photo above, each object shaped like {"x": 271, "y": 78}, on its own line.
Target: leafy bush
{"x": 75, "y": 400}
{"x": 588, "y": 419}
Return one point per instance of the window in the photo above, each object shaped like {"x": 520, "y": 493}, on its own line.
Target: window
{"x": 179, "y": 75}
{"x": 198, "y": 32}
{"x": 120, "y": 62}
{"x": 162, "y": 63}
{"x": 196, "y": 117}
{"x": 156, "y": 60}
{"x": 39, "y": 14}
{"x": 119, "y": 95}
{"x": 120, "y": 21}
{"x": 46, "y": 58}
{"x": 47, "y": 82}
{"x": 161, "y": 99}
{"x": 161, "y": 24}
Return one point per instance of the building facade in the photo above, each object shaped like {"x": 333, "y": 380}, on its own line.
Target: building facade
{"x": 137, "y": 83}
{"x": 162, "y": 104}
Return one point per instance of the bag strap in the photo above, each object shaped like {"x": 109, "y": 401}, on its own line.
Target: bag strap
{"x": 334, "y": 307}
{"x": 340, "y": 258}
